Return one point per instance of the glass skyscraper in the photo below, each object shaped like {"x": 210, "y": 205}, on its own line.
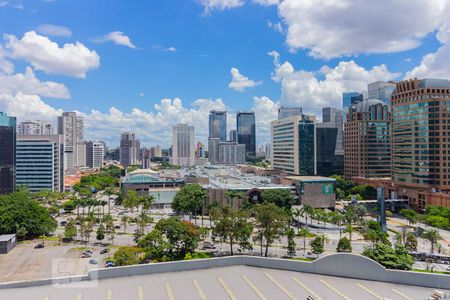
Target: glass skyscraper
{"x": 218, "y": 125}
{"x": 7, "y": 153}
{"x": 347, "y": 99}
{"x": 246, "y": 133}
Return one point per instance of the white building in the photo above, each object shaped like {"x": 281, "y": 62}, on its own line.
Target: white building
{"x": 35, "y": 127}
{"x": 72, "y": 128}
{"x": 183, "y": 153}
{"x": 81, "y": 154}
{"x": 128, "y": 149}
{"x": 95, "y": 154}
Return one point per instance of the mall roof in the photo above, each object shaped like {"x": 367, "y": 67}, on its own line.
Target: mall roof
{"x": 311, "y": 178}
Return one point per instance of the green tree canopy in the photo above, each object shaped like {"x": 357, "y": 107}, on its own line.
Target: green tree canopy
{"x": 125, "y": 256}
{"x": 189, "y": 198}
{"x": 182, "y": 236}
{"x": 344, "y": 245}
{"x": 280, "y": 197}
{"x": 391, "y": 258}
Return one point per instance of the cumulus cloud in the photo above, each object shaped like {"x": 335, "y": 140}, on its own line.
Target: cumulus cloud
{"x": 267, "y": 2}
{"x": 5, "y": 65}
{"x": 44, "y": 55}
{"x": 210, "y": 5}
{"x": 28, "y": 107}
{"x": 239, "y": 82}
{"x": 303, "y": 88}
{"x": 117, "y": 37}
{"x": 276, "y": 26}
{"x": 9, "y": 4}
{"x": 53, "y": 30}
{"x": 265, "y": 110}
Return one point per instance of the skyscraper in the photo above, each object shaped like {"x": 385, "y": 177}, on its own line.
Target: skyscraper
{"x": 381, "y": 90}
{"x": 233, "y": 135}
{"x": 231, "y": 153}
{"x": 7, "y": 153}
{"x": 183, "y": 153}
{"x": 71, "y": 127}
{"x": 81, "y": 154}
{"x": 335, "y": 118}
{"x": 246, "y": 133}
{"x": 95, "y": 154}
{"x": 35, "y": 127}
{"x": 367, "y": 140}
{"x": 128, "y": 149}
{"x": 218, "y": 125}
{"x": 40, "y": 162}
{"x": 347, "y": 99}
{"x": 284, "y": 112}
{"x": 329, "y": 160}
{"x": 199, "y": 150}
{"x": 213, "y": 150}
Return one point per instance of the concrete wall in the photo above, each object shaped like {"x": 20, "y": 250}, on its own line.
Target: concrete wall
{"x": 341, "y": 265}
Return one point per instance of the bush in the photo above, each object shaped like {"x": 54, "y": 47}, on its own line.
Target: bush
{"x": 344, "y": 245}
{"x": 389, "y": 257}
{"x": 128, "y": 256}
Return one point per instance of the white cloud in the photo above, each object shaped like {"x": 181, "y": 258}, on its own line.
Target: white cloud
{"x": 43, "y": 54}
{"x": 265, "y": 110}
{"x": 276, "y": 26}
{"x": 5, "y": 65}
{"x": 28, "y": 84}
{"x": 267, "y": 2}
{"x": 53, "y": 30}
{"x": 141, "y": 94}
{"x": 14, "y": 5}
{"x": 239, "y": 82}
{"x": 166, "y": 49}
{"x": 211, "y": 5}
{"x": 117, "y": 37}
{"x": 303, "y": 88}
{"x": 28, "y": 107}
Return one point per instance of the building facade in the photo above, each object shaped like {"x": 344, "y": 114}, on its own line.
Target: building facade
{"x": 35, "y": 127}
{"x": 40, "y": 162}
{"x": 284, "y": 112}
{"x": 233, "y": 135}
{"x": 213, "y": 150}
{"x": 71, "y": 127}
{"x": 95, "y": 154}
{"x": 367, "y": 140}
{"x": 128, "y": 149}
{"x": 218, "y": 125}
{"x": 82, "y": 154}
{"x": 335, "y": 118}
{"x": 329, "y": 161}
{"x": 183, "y": 153}
{"x": 347, "y": 99}
{"x": 7, "y": 153}
{"x": 231, "y": 153}
{"x": 381, "y": 90}
{"x": 246, "y": 133}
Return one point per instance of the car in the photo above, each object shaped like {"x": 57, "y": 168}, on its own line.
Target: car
{"x": 110, "y": 264}
{"x": 93, "y": 261}
{"x": 117, "y": 227}
{"x": 106, "y": 250}
{"x": 121, "y": 213}
{"x": 39, "y": 246}
{"x": 63, "y": 223}
{"x": 85, "y": 255}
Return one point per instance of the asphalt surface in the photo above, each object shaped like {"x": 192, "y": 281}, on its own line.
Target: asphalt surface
{"x": 239, "y": 282}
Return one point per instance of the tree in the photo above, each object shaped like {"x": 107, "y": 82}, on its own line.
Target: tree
{"x": 143, "y": 220}
{"x": 304, "y": 233}
{"x": 337, "y": 219}
{"x": 125, "y": 220}
{"x": 110, "y": 230}
{"x": 349, "y": 229}
{"x": 318, "y": 244}
{"x": 344, "y": 245}
{"x": 231, "y": 195}
{"x": 190, "y": 198}
{"x": 438, "y": 222}
{"x": 182, "y": 236}
{"x": 411, "y": 242}
{"x": 154, "y": 244}
{"x": 271, "y": 221}
{"x": 391, "y": 258}
{"x": 26, "y": 217}
{"x": 297, "y": 213}
{"x": 410, "y": 215}
{"x": 308, "y": 211}
{"x": 109, "y": 192}
{"x": 69, "y": 206}
{"x": 100, "y": 233}
{"x": 433, "y": 236}
{"x": 290, "y": 233}
{"x": 131, "y": 200}
{"x": 146, "y": 202}
{"x": 70, "y": 231}
{"x": 371, "y": 231}
{"x": 125, "y": 256}
{"x": 86, "y": 228}
{"x": 280, "y": 197}
{"x": 231, "y": 225}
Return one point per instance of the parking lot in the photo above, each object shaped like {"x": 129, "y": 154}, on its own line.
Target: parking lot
{"x": 239, "y": 282}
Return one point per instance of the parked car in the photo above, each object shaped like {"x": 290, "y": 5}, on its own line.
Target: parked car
{"x": 39, "y": 246}
{"x": 208, "y": 245}
{"x": 85, "y": 255}
{"x": 63, "y": 223}
{"x": 117, "y": 227}
{"x": 110, "y": 264}
{"x": 93, "y": 261}
{"x": 106, "y": 250}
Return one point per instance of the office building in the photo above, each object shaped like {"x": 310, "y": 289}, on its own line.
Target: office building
{"x": 213, "y": 150}
{"x": 367, "y": 140}
{"x": 158, "y": 152}
{"x": 183, "y": 152}
{"x": 347, "y": 99}
{"x": 7, "y": 153}
{"x": 35, "y": 127}
{"x": 294, "y": 146}
{"x": 138, "y": 150}
{"x": 95, "y": 154}
{"x": 82, "y": 154}
{"x": 284, "y": 112}
{"x": 199, "y": 150}
{"x": 218, "y": 125}
{"x": 233, "y": 135}
{"x": 231, "y": 153}
{"x": 71, "y": 127}
{"x": 335, "y": 118}
{"x": 128, "y": 149}
{"x": 381, "y": 90}
{"x": 268, "y": 151}
{"x": 329, "y": 160}
{"x": 40, "y": 162}
{"x": 246, "y": 133}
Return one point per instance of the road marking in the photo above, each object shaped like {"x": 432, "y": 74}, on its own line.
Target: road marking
{"x": 370, "y": 291}
{"x": 169, "y": 292}
{"x": 79, "y": 296}
{"x": 108, "y": 294}
{"x": 286, "y": 291}
{"x": 402, "y": 295}
{"x": 305, "y": 287}
{"x": 254, "y": 288}
{"x": 140, "y": 293}
{"x": 200, "y": 291}
{"x": 227, "y": 289}
{"x": 334, "y": 290}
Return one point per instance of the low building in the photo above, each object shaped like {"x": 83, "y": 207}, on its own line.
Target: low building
{"x": 7, "y": 243}
{"x": 316, "y": 191}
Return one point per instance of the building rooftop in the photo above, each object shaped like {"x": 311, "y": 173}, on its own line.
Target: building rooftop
{"x": 311, "y": 178}
{"x": 364, "y": 106}
{"x": 6, "y": 237}
{"x": 434, "y": 83}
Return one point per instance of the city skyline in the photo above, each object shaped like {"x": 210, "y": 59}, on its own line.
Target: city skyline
{"x": 258, "y": 63}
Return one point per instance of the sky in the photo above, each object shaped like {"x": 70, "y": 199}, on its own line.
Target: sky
{"x": 144, "y": 66}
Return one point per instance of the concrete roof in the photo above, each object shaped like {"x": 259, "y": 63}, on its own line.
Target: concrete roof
{"x": 311, "y": 178}
{"x": 6, "y": 237}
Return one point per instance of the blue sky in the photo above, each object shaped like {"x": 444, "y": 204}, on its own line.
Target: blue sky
{"x": 185, "y": 49}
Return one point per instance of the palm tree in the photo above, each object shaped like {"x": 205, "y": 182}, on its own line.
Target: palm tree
{"x": 297, "y": 213}
{"x": 304, "y": 233}
{"x": 308, "y": 210}
{"x": 125, "y": 220}
{"x": 349, "y": 229}
{"x": 109, "y": 191}
{"x": 146, "y": 201}
{"x": 337, "y": 219}
{"x": 433, "y": 236}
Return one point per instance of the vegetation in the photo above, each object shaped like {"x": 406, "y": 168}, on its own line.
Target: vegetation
{"x": 190, "y": 198}
{"x": 70, "y": 231}
{"x": 280, "y": 197}
{"x": 346, "y": 188}
{"x": 125, "y": 256}
{"x": 433, "y": 236}
{"x": 391, "y": 258}
{"x": 344, "y": 245}
{"x": 318, "y": 244}
{"x": 290, "y": 233}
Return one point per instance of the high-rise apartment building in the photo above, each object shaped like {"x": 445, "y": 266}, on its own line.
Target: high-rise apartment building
{"x": 199, "y": 150}
{"x": 7, "y": 153}
{"x": 81, "y": 154}
{"x": 40, "y": 162}
{"x": 284, "y": 112}
{"x": 233, "y": 135}
{"x": 335, "y": 117}
{"x": 268, "y": 151}
{"x": 381, "y": 90}
{"x": 128, "y": 149}
{"x": 294, "y": 146}
{"x": 71, "y": 127}
{"x": 246, "y": 133}
{"x": 213, "y": 150}
{"x": 35, "y": 127}
{"x": 218, "y": 125}
{"x": 367, "y": 140}
{"x": 183, "y": 153}
{"x": 231, "y": 153}
{"x": 95, "y": 153}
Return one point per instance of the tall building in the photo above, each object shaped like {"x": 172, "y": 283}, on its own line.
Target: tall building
{"x": 82, "y": 154}
{"x": 246, "y": 133}
{"x": 199, "y": 150}
{"x": 213, "y": 150}
{"x": 40, "y": 162}
{"x": 268, "y": 151}
{"x": 138, "y": 151}
{"x": 233, "y": 135}
{"x": 367, "y": 140}
{"x": 95, "y": 153}
{"x": 284, "y": 112}
{"x": 294, "y": 146}
{"x": 128, "y": 149}
{"x": 381, "y": 90}
{"x": 183, "y": 145}
{"x": 335, "y": 118}
{"x": 231, "y": 153}
{"x": 329, "y": 160}
{"x": 7, "y": 153}
{"x": 218, "y": 125}
{"x": 158, "y": 152}
{"x": 347, "y": 99}
{"x": 421, "y": 141}
{"x": 34, "y": 127}
{"x": 71, "y": 127}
